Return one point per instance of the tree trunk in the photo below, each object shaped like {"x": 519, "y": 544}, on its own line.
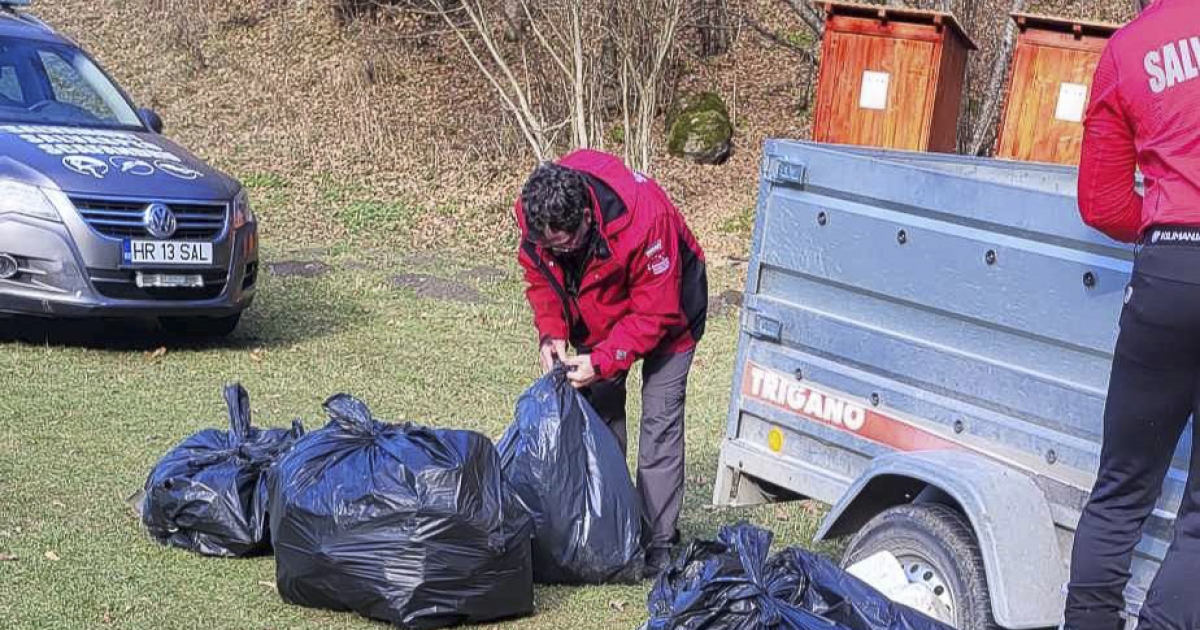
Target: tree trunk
{"x": 514, "y": 20}
{"x": 985, "y": 130}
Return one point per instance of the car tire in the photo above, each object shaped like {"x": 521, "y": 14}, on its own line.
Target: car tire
{"x": 935, "y": 544}
{"x": 200, "y": 326}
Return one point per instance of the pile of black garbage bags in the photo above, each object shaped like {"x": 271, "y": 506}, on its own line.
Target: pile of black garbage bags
{"x": 415, "y": 526}
{"x": 429, "y": 528}
{"x": 731, "y": 584}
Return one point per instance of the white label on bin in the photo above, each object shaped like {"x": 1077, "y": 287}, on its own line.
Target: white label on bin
{"x": 874, "y": 94}
{"x": 1072, "y": 101}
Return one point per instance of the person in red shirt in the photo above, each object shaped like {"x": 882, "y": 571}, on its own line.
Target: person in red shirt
{"x": 1145, "y": 111}
{"x": 612, "y": 269}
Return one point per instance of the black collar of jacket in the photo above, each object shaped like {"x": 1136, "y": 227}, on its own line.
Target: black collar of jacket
{"x": 610, "y": 212}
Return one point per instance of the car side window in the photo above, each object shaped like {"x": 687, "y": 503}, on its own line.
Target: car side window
{"x": 72, "y": 89}
{"x": 10, "y": 85}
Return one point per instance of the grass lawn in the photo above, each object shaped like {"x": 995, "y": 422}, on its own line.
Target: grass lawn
{"x": 443, "y": 340}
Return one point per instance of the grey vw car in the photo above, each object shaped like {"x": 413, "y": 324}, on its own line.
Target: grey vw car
{"x": 100, "y": 215}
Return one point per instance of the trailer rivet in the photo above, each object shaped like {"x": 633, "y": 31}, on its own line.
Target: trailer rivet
{"x": 902, "y": 237}
{"x": 875, "y": 400}
{"x": 990, "y": 257}
{"x": 1051, "y": 457}
{"x": 822, "y": 218}
{"x": 959, "y": 426}
{"x": 1089, "y": 279}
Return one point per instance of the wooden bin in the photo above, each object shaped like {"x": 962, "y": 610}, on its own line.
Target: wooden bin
{"x": 1049, "y": 87}
{"x": 890, "y": 77}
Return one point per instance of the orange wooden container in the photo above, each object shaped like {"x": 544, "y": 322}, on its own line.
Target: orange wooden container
{"x": 890, "y": 77}
{"x": 1049, "y": 86}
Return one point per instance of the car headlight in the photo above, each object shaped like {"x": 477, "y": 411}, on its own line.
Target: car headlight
{"x": 30, "y": 201}
{"x": 242, "y": 214}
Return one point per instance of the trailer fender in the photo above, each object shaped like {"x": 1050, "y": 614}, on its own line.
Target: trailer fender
{"x": 1008, "y": 512}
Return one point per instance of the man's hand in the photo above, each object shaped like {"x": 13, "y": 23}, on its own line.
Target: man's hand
{"x": 552, "y": 348}
{"x": 580, "y": 371}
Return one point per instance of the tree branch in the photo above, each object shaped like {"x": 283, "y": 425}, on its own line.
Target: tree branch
{"x": 778, "y": 39}
{"x": 525, "y": 118}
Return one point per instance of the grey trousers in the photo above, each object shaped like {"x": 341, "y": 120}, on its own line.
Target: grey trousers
{"x": 660, "y": 474}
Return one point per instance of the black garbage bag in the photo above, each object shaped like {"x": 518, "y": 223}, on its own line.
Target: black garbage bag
{"x": 567, "y": 467}
{"x": 400, "y": 523}
{"x": 844, "y": 599}
{"x": 730, "y": 584}
{"x": 208, "y": 494}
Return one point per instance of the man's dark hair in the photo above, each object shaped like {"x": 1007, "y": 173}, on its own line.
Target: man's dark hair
{"x": 556, "y": 198}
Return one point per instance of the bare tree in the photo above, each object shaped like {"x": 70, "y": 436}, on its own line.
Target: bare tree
{"x": 643, "y": 33}
{"x": 578, "y": 63}
{"x": 711, "y": 18}
{"x": 541, "y": 101}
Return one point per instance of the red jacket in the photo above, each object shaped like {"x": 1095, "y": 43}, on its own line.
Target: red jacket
{"x": 647, "y": 287}
{"x": 1145, "y": 109}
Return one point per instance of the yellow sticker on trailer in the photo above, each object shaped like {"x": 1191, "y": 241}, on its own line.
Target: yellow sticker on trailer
{"x": 775, "y": 440}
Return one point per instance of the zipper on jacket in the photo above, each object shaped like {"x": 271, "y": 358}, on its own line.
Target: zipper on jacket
{"x": 564, "y": 296}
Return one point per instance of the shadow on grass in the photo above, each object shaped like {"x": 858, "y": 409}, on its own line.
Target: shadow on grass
{"x": 284, "y": 314}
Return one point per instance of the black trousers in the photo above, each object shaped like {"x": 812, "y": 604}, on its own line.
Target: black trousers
{"x": 1154, "y": 389}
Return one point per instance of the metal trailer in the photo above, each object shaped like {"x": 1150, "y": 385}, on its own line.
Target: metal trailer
{"x": 925, "y": 344}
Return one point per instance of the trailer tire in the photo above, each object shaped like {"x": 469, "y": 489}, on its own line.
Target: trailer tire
{"x": 932, "y": 537}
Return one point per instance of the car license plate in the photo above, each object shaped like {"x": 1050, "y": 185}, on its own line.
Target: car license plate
{"x": 167, "y": 253}
{"x": 169, "y": 281}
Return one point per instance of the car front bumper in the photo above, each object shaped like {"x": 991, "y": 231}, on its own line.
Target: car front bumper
{"x": 67, "y": 270}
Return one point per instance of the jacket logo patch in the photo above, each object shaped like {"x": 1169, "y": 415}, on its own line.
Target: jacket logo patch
{"x": 621, "y": 355}
{"x": 659, "y": 265}
{"x": 654, "y": 248}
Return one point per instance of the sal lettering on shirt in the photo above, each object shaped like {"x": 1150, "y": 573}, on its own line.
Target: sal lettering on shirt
{"x": 1173, "y": 64}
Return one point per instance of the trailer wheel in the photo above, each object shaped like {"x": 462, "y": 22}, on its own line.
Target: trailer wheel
{"x": 937, "y": 547}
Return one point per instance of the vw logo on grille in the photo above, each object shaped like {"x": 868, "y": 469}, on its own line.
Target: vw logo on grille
{"x": 159, "y": 221}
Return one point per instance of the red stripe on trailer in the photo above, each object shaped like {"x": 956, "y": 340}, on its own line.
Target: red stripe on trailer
{"x": 840, "y": 412}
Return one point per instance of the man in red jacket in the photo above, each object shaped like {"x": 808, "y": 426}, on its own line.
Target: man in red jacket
{"x": 1145, "y": 110}
{"x": 612, "y": 269}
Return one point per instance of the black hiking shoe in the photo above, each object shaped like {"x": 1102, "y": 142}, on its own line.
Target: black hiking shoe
{"x": 657, "y": 561}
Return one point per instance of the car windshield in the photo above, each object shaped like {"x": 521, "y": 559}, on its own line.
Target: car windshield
{"x": 54, "y": 84}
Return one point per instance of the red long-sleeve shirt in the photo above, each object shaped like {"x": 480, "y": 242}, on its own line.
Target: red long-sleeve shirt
{"x": 1145, "y": 111}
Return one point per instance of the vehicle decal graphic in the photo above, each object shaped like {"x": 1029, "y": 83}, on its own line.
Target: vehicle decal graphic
{"x": 133, "y": 166}
{"x": 86, "y": 165}
{"x": 95, "y": 142}
{"x": 841, "y": 412}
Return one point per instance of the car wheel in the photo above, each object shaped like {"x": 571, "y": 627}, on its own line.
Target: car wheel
{"x": 937, "y": 548}
{"x": 201, "y": 326}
